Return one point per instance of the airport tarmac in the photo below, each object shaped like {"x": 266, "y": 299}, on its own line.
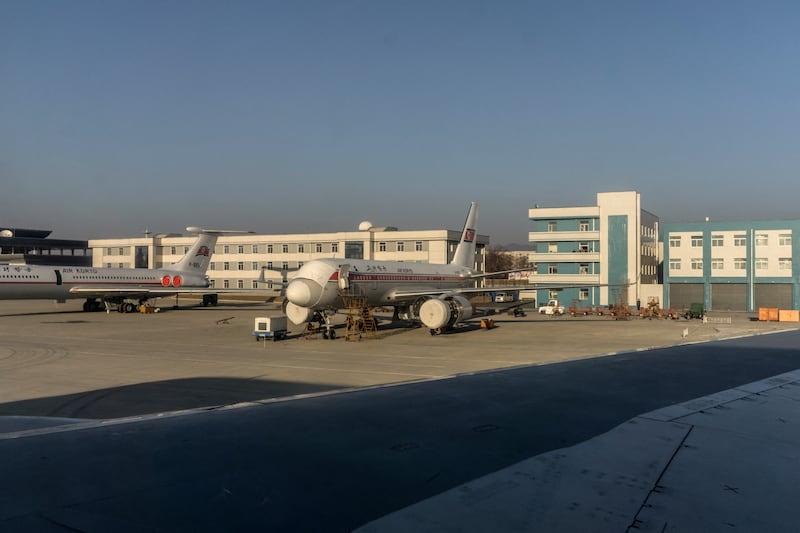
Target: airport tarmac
{"x": 482, "y": 435}
{"x": 58, "y": 361}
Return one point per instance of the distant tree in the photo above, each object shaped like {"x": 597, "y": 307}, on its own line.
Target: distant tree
{"x": 498, "y": 259}
{"x": 521, "y": 262}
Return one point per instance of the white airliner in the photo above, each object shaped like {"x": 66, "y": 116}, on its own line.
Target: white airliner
{"x": 433, "y": 293}
{"x": 115, "y": 287}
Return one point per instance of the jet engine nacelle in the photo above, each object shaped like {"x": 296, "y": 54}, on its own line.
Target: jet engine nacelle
{"x": 298, "y": 315}
{"x": 444, "y": 312}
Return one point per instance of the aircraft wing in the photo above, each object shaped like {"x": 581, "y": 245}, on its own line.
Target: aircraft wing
{"x": 144, "y": 291}
{"x": 405, "y": 295}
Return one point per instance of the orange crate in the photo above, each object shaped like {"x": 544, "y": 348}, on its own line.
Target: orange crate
{"x": 789, "y": 315}
{"x": 768, "y": 314}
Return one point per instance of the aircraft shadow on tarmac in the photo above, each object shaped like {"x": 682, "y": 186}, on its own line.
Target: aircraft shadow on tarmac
{"x": 159, "y": 396}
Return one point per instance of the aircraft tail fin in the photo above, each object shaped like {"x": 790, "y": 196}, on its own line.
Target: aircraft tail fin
{"x": 198, "y": 257}
{"x": 465, "y": 252}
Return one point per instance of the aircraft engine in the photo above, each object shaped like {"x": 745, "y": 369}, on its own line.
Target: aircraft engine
{"x": 411, "y": 312}
{"x": 442, "y": 313}
{"x": 297, "y": 314}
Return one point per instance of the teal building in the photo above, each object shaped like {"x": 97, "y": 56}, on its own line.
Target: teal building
{"x": 732, "y": 266}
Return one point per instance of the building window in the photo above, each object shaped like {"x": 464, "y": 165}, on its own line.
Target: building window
{"x": 583, "y": 225}
{"x": 269, "y": 265}
{"x": 552, "y": 268}
{"x": 553, "y": 294}
{"x": 285, "y": 265}
{"x": 740, "y": 263}
{"x": 418, "y": 246}
{"x": 301, "y": 248}
{"x": 583, "y": 294}
{"x": 697, "y": 264}
{"x": 212, "y": 266}
{"x": 240, "y": 265}
{"x": 401, "y": 246}
{"x": 299, "y": 264}
{"x": 318, "y": 247}
{"x": 381, "y": 246}
{"x": 674, "y": 264}
{"x": 552, "y": 248}
{"x": 583, "y": 268}
{"x": 335, "y": 247}
{"x": 717, "y": 241}
{"x": 697, "y": 241}
{"x": 211, "y": 284}
{"x": 740, "y": 240}
{"x": 240, "y": 249}
{"x": 269, "y": 248}
{"x": 254, "y": 265}
{"x": 173, "y": 250}
{"x": 762, "y": 239}
{"x": 240, "y": 284}
{"x": 226, "y": 284}
{"x": 762, "y": 263}
{"x": 255, "y": 249}
{"x": 583, "y": 247}
{"x": 226, "y": 266}
{"x": 785, "y": 263}
{"x": 717, "y": 264}
{"x": 674, "y": 241}
{"x": 254, "y": 284}
{"x": 785, "y": 239}
{"x": 226, "y": 249}
{"x": 551, "y": 226}
{"x": 285, "y": 248}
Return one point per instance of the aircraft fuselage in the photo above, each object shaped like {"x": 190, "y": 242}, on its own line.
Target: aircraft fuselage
{"x": 317, "y": 284}
{"x": 54, "y": 283}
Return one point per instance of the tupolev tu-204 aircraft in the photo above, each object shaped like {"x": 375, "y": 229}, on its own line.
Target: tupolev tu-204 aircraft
{"x": 432, "y": 293}
{"x": 115, "y": 287}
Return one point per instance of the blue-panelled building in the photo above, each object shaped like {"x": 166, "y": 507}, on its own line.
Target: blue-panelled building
{"x": 611, "y": 246}
{"x": 732, "y": 266}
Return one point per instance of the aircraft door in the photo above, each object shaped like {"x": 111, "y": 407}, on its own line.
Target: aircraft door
{"x": 344, "y": 277}
{"x": 59, "y": 280}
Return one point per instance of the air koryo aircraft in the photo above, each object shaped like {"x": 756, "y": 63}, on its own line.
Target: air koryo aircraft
{"x": 115, "y": 287}
{"x": 433, "y": 293}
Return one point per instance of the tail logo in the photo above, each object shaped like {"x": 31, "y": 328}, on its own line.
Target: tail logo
{"x": 203, "y": 250}
{"x": 469, "y": 235}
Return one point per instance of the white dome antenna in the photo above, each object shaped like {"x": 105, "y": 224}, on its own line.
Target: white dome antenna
{"x": 365, "y": 226}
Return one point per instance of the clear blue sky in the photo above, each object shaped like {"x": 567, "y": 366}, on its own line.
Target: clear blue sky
{"x": 305, "y": 116}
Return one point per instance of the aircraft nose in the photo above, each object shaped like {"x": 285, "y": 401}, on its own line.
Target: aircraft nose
{"x": 303, "y": 292}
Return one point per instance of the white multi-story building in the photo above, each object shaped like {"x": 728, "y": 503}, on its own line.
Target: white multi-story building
{"x": 732, "y": 265}
{"x": 612, "y": 247}
{"x": 239, "y": 259}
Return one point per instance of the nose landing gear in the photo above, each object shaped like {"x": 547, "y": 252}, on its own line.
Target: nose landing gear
{"x": 324, "y": 320}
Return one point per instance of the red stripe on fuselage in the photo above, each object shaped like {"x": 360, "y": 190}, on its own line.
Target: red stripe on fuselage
{"x": 400, "y": 277}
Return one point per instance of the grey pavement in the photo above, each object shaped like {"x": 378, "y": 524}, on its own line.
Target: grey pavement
{"x": 335, "y": 436}
{"x": 724, "y": 462}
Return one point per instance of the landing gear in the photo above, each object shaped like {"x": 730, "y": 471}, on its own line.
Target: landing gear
{"x": 324, "y": 320}
{"x": 210, "y": 299}
{"x": 92, "y": 305}
{"x": 126, "y": 307}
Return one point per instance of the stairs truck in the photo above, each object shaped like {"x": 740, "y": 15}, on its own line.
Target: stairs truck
{"x": 552, "y": 308}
